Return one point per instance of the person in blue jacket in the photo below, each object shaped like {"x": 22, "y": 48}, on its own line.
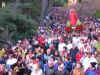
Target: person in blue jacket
{"x": 92, "y": 69}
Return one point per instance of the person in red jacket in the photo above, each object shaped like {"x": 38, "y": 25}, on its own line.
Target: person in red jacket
{"x": 79, "y": 54}
{"x": 41, "y": 41}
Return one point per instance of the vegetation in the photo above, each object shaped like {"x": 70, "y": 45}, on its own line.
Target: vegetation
{"x": 14, "y": 26}
{"x": 19, "y": 19}
{"x": 97, "y": 14}
{"x": 59, "y": 2}
{"x": 79, "y": 1}
{"x": 31, "y": 9}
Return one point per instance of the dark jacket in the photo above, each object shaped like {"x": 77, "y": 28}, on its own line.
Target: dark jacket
{"x": 50, "y": 71}
{"x": 60, "y": 73}
{"x": 73, "y": 53}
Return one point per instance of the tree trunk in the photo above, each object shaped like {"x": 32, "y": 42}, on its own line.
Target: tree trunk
{"x": 44, "y": 8}
{"x": 50, "y": 3}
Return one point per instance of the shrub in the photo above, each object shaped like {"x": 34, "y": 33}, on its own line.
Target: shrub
{"x": 16, "y": 26}
{"x": 97, "y": 14}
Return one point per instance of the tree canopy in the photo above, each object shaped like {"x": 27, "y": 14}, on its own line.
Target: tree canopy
{"x": 16, "y": 26}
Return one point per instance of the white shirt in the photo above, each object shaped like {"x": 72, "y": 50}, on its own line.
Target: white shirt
{"x": 60, "y": 46}
{"x": 86, "y": 63}
{"x": 33, "y": 68}
{"x": 84, "y": 38}
{"x": 38, "y": 73}
{"x": 76, "y": 40}
{"x": 94, "y": 42}
{"x": 49, "y": 41}
{"x": 69, "y": 46}
{"x": 93, "y": 59}
{"x": 80, "y": 45}
{"x": 11, "y": 61}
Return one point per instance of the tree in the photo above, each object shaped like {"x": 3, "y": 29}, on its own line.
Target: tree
{"x": 58, "y": 3}
{"x": 44, "y": 8}
{"x": 14, "y": 26}
{"x": 46, "y": 5}
{"x": 50, "y": 3}
{"x": 30, "y": 8}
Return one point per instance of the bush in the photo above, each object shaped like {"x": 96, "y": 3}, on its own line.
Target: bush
{"x": 97, "y": 14}
{"x": 30, "y": 8}
{"x": 17, "y": 26}
{"x": 58, "y": 2}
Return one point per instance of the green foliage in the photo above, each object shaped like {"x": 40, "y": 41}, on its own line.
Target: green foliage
{"x": 59, "y": 2}
{"x": 36, "y": 8}
{"x": 5, "y": 20}
{"x": 30, "y": 8}
{"x": 25, "y": 5}
{"x": 19, "y": 5}
{"x": 79, "y": 1}
{"x": 97, "y": 14}
{"x": 19, "y": 25}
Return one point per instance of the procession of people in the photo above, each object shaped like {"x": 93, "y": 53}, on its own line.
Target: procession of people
{"x": 56, "y": 50}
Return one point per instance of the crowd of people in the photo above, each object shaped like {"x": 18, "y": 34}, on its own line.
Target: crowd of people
{"x": 54, "y": 51}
